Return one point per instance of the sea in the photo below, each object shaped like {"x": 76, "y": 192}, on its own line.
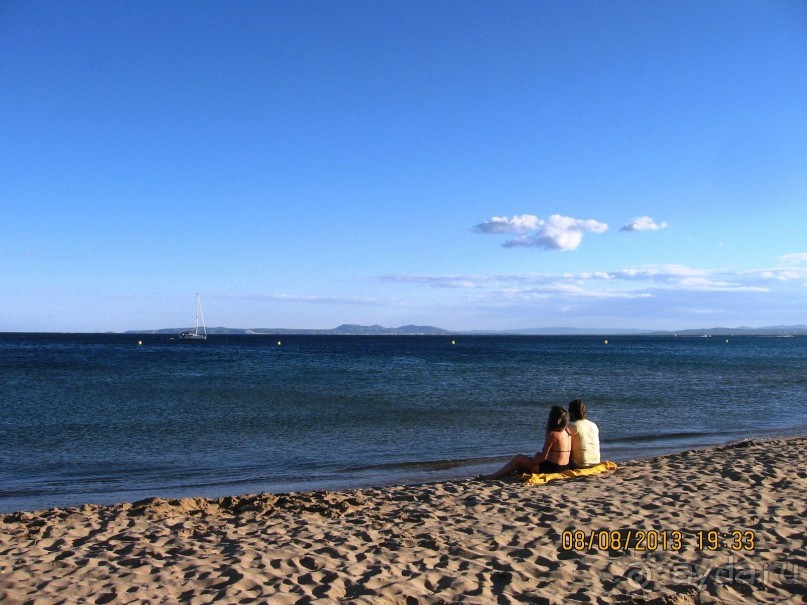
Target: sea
{"x": 105, "y": 418}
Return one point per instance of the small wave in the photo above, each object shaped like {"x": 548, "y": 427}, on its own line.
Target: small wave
{"x": 431, "y": 465}
{"x": 678, "y": 436}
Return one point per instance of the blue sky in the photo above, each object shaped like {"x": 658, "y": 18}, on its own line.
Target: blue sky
{"x": 469, "y": 165}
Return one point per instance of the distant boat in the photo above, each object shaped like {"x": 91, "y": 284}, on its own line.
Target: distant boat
{"x": 195, "y": 335}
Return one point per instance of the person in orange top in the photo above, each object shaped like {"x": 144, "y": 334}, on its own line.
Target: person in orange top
{"x": 554, "y": 458}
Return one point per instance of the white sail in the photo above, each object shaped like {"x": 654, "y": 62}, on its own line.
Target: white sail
{"x": 196, "y": 335}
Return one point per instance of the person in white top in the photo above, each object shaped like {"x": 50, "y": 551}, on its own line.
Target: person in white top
{"x": 585, "y": 437}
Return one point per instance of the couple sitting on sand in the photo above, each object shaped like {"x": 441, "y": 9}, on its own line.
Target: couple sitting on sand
{"x": 568, "y": 445}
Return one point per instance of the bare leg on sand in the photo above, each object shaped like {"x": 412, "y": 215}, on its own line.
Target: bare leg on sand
{"x": 518, "y": 463}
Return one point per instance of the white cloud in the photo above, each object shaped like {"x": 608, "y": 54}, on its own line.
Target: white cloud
{"x": 686, "y": 278}
{"x": 660, "y": 273}
{"x": 555, "y": 233}
{"x": 441, "y": 281}
{"x": 653, "y": 295}
{"x": 644, "y": 223}
{"x": 700, "y": 284}
{"x": 799, "y": 257}
{"x": 498, "y": 280}
{"x": 625, "y": 283}
{"x": 523, "y": 223}
{"x": 579, "y": 291}
{"x": 309, "y": 299}
{"x": 795, "y": 273}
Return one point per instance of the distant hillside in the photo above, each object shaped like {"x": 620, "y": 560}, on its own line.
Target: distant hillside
{"x": 344, "y": 330}
{"x": 800, "y": 330}
{"x": 568, "y": 331}
{"x": 376, "y": 330}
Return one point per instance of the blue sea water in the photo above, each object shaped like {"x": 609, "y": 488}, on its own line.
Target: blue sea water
{"x": 103, "y": 419}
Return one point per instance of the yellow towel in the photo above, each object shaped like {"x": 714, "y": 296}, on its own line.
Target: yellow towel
{"x": 597, "y": 469}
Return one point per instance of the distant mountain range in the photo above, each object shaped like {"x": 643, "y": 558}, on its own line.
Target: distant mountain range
{"x": 412, "y": 330}
{"x": 799, "y": 330}
{"x": 344, "y": 329}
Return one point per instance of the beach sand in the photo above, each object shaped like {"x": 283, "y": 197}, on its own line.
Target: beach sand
{"x": 453, "y": 542}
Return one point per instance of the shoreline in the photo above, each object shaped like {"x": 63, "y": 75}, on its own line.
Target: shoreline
{"x": 458, "y": 541}
{"x": 384, "y": 475}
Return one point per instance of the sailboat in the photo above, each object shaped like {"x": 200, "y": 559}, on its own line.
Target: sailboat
{"x": 196, "y": 335}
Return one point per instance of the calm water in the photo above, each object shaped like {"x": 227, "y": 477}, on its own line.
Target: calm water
{"x": 99, "y": 418}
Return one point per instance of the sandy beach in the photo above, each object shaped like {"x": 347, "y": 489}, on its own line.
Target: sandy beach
{"x": 723, "y": 525}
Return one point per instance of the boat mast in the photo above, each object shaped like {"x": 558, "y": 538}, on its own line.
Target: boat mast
{"x": 200, "y": 312}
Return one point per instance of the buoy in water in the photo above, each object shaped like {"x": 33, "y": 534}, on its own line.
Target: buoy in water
{"x": 279, "y": 343}
{"x": 140, "y": 342}
{"x": 605, "y": 342}
{"x": 453, "y": 342}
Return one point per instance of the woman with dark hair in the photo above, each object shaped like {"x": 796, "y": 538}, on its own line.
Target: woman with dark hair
{"x": 554, "y": 458}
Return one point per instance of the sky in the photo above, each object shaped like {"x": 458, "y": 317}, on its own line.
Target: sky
{"x": 468, "y": 165}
